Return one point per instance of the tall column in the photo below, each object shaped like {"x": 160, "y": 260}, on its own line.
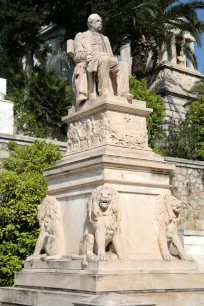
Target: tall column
{"x": 125, "y": 56}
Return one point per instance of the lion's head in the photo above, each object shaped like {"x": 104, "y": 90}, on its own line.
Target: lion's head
{"x": 168, "y": 206}
{"x": 175, "y": 205}
{"x": 104, "y": 200}
{"x": 48, "y": 212}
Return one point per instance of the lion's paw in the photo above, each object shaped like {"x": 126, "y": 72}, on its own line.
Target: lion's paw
{"x": 167, "y": 256}
{"x": 91, "y": 257}
{"x": 101, "y": 257}
{"x": 30, "y": 258}
{"x": 188, "y": 257}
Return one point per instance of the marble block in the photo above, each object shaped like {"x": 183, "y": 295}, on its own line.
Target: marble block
{"x": 112, "y": 299}
{"x": 107, "y": 120}
{"x": 6, "y": 117}
{"x": 111, "y": 276}
{"x": 129, "y": 167}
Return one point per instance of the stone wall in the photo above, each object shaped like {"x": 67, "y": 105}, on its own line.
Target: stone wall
{"x": 188, "y": 185}
{"x": 22, "y": 140}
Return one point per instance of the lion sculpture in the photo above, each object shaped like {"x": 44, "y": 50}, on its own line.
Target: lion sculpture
{"x": 51, "y": 237}
{"x": 103, "y": 225}
{"x": 168, "y": 210}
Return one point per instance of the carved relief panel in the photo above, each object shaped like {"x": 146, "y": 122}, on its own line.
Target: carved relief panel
{"x": 107, "y": 128}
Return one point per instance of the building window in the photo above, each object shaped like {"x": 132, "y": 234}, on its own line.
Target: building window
{"x": 178, "y": 53}
{"x": 187, "y": 57}
{"x": 169, "y": 54}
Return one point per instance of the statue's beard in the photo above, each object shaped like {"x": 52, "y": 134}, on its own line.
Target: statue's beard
{"x": 98, "y": 30}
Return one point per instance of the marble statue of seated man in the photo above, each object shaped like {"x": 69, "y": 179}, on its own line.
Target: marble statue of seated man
{"x": 96, "y": 64}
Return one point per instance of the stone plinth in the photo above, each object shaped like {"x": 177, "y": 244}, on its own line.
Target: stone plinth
{"x": 111, "y": 276}
{"x": 117, "y": 154}
{"x": 66, "y": 282}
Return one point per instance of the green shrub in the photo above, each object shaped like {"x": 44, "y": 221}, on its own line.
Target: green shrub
{"x": 154, "y": 120}
{"x": 196, "y": 116}
{"x": 22, "y": 188}
{"x": 179, "y": 140}
{"x": 198, "y": 88}
{"x": 41, "y": 98}
{"x": 186, "y": 139}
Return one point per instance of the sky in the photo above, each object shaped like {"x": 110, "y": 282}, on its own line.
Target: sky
{"x": 200, "y": 51}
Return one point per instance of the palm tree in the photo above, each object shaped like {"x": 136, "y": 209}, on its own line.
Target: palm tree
{"x": 149, "y": 25}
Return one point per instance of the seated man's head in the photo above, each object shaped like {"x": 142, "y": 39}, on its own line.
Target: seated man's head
{"x": 95, "y": 22}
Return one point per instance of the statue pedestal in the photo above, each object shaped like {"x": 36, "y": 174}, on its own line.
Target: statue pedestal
{"x": 112, "y": 150}
{"x": 108, "y": 145}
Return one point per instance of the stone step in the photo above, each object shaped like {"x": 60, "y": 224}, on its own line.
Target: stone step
{"x": 40, "y": 297}
{"x": 117, "y": 265}
{"x": 108, "y": 281}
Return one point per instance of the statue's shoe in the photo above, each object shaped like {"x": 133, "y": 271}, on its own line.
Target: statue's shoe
{"x": 127, "y": 95}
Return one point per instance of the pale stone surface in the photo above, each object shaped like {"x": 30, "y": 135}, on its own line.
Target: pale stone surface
{"x": 67, "y": 264}
{"x": 51, "y": 237}
{"x": 6, "y": 117}
{"x": 102, "y": 225}
{"x": 107, "y": 276}
{"x": 107, "y": 120}
{"x": 194, "y": 245}
{"x": 136, "y": 173}
{"x": 93, "y": 56}
{"x": 3, "y": 83}
{"x": 42, "y": 297}
{"x": 136, "y": 176}
{"x": 188, "y": 186}
{"x": 168, "y": 210}
{"x": 125, "y": 56}
{"x": 112, "y": 299}
{"x": 173, "y": 82}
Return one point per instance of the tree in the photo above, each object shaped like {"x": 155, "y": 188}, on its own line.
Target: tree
{"x": 149, "y": 25}
{"x": 154, "y": 121}
{"x": 41, "y": 103}
{"x": 180, "y": 140}
{"x": 185, "y": 139}
{"x": 145, "y": 24}
{"x": 20, "y": 23}
{"x": 22, "y": 188}
{"x": 196, "y": 116}
{"x": 198, "y": 88}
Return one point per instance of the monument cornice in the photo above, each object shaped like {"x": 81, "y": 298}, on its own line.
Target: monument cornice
{"x": 178, "y": 68}
{"x": 108, "y": 102}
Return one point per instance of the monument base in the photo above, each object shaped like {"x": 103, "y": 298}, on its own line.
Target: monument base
{"x": 108, "y": 145}
{"x": 63, "y": 282}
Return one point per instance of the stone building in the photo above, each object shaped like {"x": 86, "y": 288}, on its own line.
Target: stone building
{"x": 173, "y": 78}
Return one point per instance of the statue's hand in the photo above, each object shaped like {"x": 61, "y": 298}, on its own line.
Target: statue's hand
{"x": 97, "y": 53}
